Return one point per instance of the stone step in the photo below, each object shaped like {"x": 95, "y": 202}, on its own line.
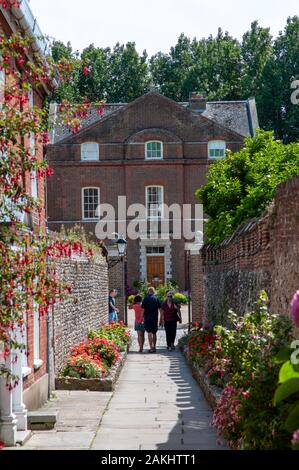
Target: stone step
{"x": 23, "y": 436}
{"x": 42, "y": 419}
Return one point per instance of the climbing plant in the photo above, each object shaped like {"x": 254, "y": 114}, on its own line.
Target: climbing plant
{"x": 26, "y": 279}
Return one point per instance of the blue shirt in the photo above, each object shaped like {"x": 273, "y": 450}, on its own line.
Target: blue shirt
{"x": 111, "y": 300}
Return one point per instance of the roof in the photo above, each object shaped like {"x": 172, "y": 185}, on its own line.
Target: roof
{"x": 237, "y": 116}
{"x": 61, "y": 132}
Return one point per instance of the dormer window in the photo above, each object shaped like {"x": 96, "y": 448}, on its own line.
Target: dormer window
{"x": 154, "y": 150}
{"x": 90, "y": 152}
{"x": 217, "y": 149}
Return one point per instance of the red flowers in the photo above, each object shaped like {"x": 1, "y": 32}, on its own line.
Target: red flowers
{"x": 10, "y": 3}
{"x": 86, "y": 71}
{"x": 200, "y": 343}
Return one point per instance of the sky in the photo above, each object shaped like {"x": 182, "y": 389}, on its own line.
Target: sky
{"x": 154, "y": 25}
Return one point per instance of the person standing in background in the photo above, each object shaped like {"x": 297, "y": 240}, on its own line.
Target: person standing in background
{"x": 139, "y": 320}
{"x": 113, "y": 311}
{"x": 151, "y": 305}
{"x": 170, "y": 315}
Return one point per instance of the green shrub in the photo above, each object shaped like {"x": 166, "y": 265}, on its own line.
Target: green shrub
{"x": 180, "y": 298}
{"x": 116, "y": 333}
{"x": 241, "y": 185}
{"x": 242, "y": 361}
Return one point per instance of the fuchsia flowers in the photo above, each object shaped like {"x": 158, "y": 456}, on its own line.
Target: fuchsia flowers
{"x": 295, "y": 308}
{"x": 295, "y": 439}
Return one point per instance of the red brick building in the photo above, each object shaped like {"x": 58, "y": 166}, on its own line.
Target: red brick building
{"x": 153, "y": 151}
{"x": 31, "y": 365}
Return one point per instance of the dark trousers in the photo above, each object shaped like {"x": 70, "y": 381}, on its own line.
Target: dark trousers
{"x": 170, "y": 329}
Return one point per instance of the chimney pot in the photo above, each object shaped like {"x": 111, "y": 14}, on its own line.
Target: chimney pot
{"x": 197, "y": 101}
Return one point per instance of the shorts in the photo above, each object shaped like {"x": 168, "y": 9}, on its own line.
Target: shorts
{"x": 139, "y": 327}
{"x": 112, "y": 317}
{"x": 151, "y": 326}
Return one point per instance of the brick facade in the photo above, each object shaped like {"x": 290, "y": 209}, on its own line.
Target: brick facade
{"x": 262, "y": 254}
{"x": 122, "y": 169}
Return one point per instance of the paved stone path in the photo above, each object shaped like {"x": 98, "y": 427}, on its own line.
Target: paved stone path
{"x": 79, "y": 416}
{"x": 156, "y": 405}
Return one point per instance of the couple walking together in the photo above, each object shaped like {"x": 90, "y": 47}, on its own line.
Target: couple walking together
{"x": 147, "y": 319}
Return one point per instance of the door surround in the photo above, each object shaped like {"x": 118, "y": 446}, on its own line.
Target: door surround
{"x": 144, "y": 243}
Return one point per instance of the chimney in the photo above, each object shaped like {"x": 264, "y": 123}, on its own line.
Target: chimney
{"x": 197, "y": 101}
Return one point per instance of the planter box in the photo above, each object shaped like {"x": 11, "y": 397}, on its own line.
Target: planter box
{"x": 211, "y": 392}
{"x": 105, "y": 384}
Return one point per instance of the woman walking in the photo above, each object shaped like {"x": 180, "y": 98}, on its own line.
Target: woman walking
{"x": 139, "y": 320}
{"x": 170, "y": 315}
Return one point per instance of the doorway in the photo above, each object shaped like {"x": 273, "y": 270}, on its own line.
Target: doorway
{"x": 155, "y": 258}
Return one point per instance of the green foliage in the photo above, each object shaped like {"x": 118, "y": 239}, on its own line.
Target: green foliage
{"x": 287, "y": 393}
{"x": 221, "y": 66}
{"x": 168, "y": 286}
{"x": 243, "y": 360}
{"x": 116, "y": 333}
{"x": 83, "y": 367}
{"x": 180, "y": 298}
{"x": 240, "y": 186}
{"x": 131, "y": 298}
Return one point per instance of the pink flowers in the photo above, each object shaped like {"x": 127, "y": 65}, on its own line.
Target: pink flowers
{"x": 295, "y": 439}
{"x": 295, "y": 308}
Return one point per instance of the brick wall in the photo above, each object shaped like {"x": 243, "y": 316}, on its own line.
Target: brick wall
{"x": 261, "y": 254}
{"x": 86, "y": 308}
{"x": 117, "y": 281}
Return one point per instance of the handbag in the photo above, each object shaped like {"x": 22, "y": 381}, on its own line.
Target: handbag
{"x": 178, "y": 314}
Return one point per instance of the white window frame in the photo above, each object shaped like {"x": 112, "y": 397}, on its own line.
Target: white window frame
{"x": 147, "y": 157}
{"x": 154, "y": 217}
{"x": 34, "y": 188}
{"x": 83, "y": 208}
{"x": 88, "y": 155}
{"x": 216, "y": 145}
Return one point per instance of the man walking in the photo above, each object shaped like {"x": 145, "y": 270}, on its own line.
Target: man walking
{"x": 151, "y": 305}
{"x": 113, "y": 311}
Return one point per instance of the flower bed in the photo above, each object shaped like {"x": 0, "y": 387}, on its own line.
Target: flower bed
{"x": 238, "y": 369}
{"x": 95, "y": 364}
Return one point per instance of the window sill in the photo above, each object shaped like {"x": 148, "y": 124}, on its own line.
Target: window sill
{"x": 90, "y": 220}
{"x": 26, "y": 371}
{"x": 37, "y": 364}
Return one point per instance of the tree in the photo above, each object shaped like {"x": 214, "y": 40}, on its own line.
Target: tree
{"x": 94, "y": 84}
{"x": 128, "y": 75}
{"x": 256, "y": 51}
{"x": 241, "y": 185}
{"x": 275, "y": 107}
{"x": 68, "y": 89}
{"x": 174, "y": 69}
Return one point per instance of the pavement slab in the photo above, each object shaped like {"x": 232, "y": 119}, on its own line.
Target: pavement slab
{"x": 157, "y": 405}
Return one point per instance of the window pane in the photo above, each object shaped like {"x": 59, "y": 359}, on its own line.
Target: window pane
{"x": 91, "y": 202}
{"x": 90, "y": 151}
{"x": 154, "y": 201}
{"x": 153, "y": 150}
{"x": 217, "y": 149}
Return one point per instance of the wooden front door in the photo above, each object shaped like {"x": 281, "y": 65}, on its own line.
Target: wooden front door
{"x": 155, "y": 270}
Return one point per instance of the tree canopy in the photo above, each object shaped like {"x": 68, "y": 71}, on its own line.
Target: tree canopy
{"x": 240, "y": 186}
{"x": 221, "y": 66}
